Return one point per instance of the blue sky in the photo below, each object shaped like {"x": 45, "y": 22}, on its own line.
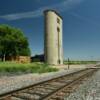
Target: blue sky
{"x": 81, "y": 24}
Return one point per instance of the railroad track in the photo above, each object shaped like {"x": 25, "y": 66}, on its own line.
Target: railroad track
{"x": 54, "y": 89}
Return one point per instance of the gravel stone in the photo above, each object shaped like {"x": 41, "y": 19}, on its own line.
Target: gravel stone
{"x": 89, "y": 90}
{"x": 16, "y": 82}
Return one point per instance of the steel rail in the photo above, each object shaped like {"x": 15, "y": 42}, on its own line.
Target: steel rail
{"x": 7, "y": 96}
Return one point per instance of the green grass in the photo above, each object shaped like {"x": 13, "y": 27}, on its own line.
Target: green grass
{"x": 80, "y": 62}
{"x": 14, "y": 68}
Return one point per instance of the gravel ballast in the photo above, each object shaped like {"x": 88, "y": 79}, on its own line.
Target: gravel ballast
{"x": 89, "y": 90}
{"x": 16, "y": 82}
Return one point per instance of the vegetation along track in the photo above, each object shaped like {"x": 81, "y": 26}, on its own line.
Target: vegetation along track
{"x": 54, "y": 89}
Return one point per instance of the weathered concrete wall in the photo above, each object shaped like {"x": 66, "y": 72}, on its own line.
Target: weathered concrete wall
{"x": 53, "y": 38}
{"x": 60, "y": 41}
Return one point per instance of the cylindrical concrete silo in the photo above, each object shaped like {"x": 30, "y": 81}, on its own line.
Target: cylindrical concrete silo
{"x": 53, "y": 50}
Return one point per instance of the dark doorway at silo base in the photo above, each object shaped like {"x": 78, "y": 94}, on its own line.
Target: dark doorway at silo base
{"x": 59, "y": 61}
{"x": 38, "y": 58}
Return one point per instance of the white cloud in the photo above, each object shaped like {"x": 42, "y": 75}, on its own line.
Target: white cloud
{"x": 67, "y": 4}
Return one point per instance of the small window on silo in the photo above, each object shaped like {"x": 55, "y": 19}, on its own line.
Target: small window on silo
{"x": 58, "y": 29}
{"x": 58, "y": 20}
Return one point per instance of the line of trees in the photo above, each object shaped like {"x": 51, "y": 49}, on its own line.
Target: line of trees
{"x": 13, "y": 42}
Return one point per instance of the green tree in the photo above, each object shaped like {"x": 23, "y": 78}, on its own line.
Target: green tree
{"x": 13, "y": 42}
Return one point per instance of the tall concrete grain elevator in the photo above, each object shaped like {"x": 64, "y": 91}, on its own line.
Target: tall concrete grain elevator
{"x": 53, "y": 44}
